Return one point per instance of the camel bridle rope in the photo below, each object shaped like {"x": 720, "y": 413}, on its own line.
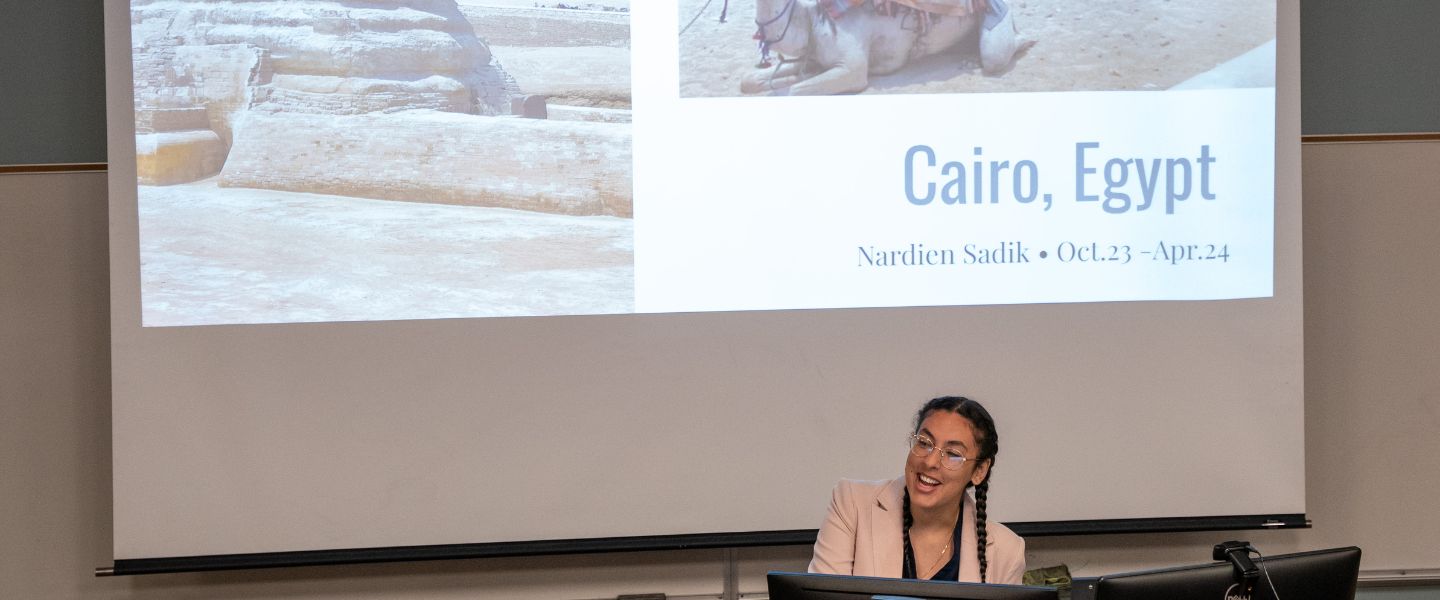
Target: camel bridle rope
{"x": 724, "y": 10}
{"x": 787, "y": 13}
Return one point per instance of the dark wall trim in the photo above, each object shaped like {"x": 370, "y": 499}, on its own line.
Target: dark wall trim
{"x": 1370, "y": 137}
{"x": 1160, "y": 525}
{"x": 57, "y": 168}
{"x": 305, "y": 558}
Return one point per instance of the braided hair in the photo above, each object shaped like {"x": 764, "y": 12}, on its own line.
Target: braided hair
{"x": 989, "y": 442}
{"x": 908, "y": 568}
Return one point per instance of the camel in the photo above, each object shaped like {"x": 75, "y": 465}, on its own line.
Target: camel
{"x": 822, "y": 55}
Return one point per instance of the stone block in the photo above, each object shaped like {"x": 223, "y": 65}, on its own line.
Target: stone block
{"x": 548, "y": 27}
{"x": 588, "y": 76}
{"x": 561, "y": 112}
{"x": 152, "y": 120}
{"x": 172, "y": 157}
{"x": 530, "y": 107}
{"x": 185, "y": 54}
{"x": 570, "y": 167}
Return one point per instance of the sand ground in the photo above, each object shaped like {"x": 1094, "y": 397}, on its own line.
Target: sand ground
{"x": 1089, "y": 45}
{"x": 233, "y": 255}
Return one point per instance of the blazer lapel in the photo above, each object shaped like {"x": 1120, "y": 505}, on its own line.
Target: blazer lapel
{"x": 888, "y": 521}
{"x": 969, "y": 561}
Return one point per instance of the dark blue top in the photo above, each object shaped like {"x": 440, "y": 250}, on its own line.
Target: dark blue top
{"x": 951, "y": 570}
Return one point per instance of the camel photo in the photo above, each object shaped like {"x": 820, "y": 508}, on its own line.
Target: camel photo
{"x": 970, "y": 46}
{"x": 834, "y": 46}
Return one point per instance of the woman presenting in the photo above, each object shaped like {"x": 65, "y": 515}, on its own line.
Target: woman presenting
{"x": 925, "y": 525}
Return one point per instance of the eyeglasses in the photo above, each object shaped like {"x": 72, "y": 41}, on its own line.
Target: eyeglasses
{"x": 922, "y": 447}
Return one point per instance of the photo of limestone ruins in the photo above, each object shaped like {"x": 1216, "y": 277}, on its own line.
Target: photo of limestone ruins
{"x": 826, "y": 47}
{"x": 313, "y": 160}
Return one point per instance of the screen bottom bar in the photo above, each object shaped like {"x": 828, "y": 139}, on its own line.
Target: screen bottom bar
{"x": 306, "y": 558}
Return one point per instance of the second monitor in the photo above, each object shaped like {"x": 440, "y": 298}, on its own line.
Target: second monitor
{"x": 1318, "y": 575}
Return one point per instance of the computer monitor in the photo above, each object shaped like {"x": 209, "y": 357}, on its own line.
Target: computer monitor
{"x": 1319, "y": 575}
{"x": 812, "y": 586}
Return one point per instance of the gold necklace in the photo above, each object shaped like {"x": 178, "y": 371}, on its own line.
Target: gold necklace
{"x": 940, "y": 558}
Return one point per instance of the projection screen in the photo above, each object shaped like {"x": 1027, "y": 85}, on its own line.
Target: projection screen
{"x": 502, "y": 274}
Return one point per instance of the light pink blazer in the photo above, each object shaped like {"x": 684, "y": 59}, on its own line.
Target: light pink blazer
{"x": 861, "y": 536}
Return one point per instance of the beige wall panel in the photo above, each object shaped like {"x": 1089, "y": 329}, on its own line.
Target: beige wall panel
{"x": 1373, "y": 394}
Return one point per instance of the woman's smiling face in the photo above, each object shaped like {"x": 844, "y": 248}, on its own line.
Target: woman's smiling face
{"x": 930, "y": 481}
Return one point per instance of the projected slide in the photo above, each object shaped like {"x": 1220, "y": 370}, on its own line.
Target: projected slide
{"x": 319, "y": 160}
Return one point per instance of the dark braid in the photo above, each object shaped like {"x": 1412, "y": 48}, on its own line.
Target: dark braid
{"x": 989, "y": 442}
{"x": 980, "y": 492}
{"x": 908, "y": 569}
